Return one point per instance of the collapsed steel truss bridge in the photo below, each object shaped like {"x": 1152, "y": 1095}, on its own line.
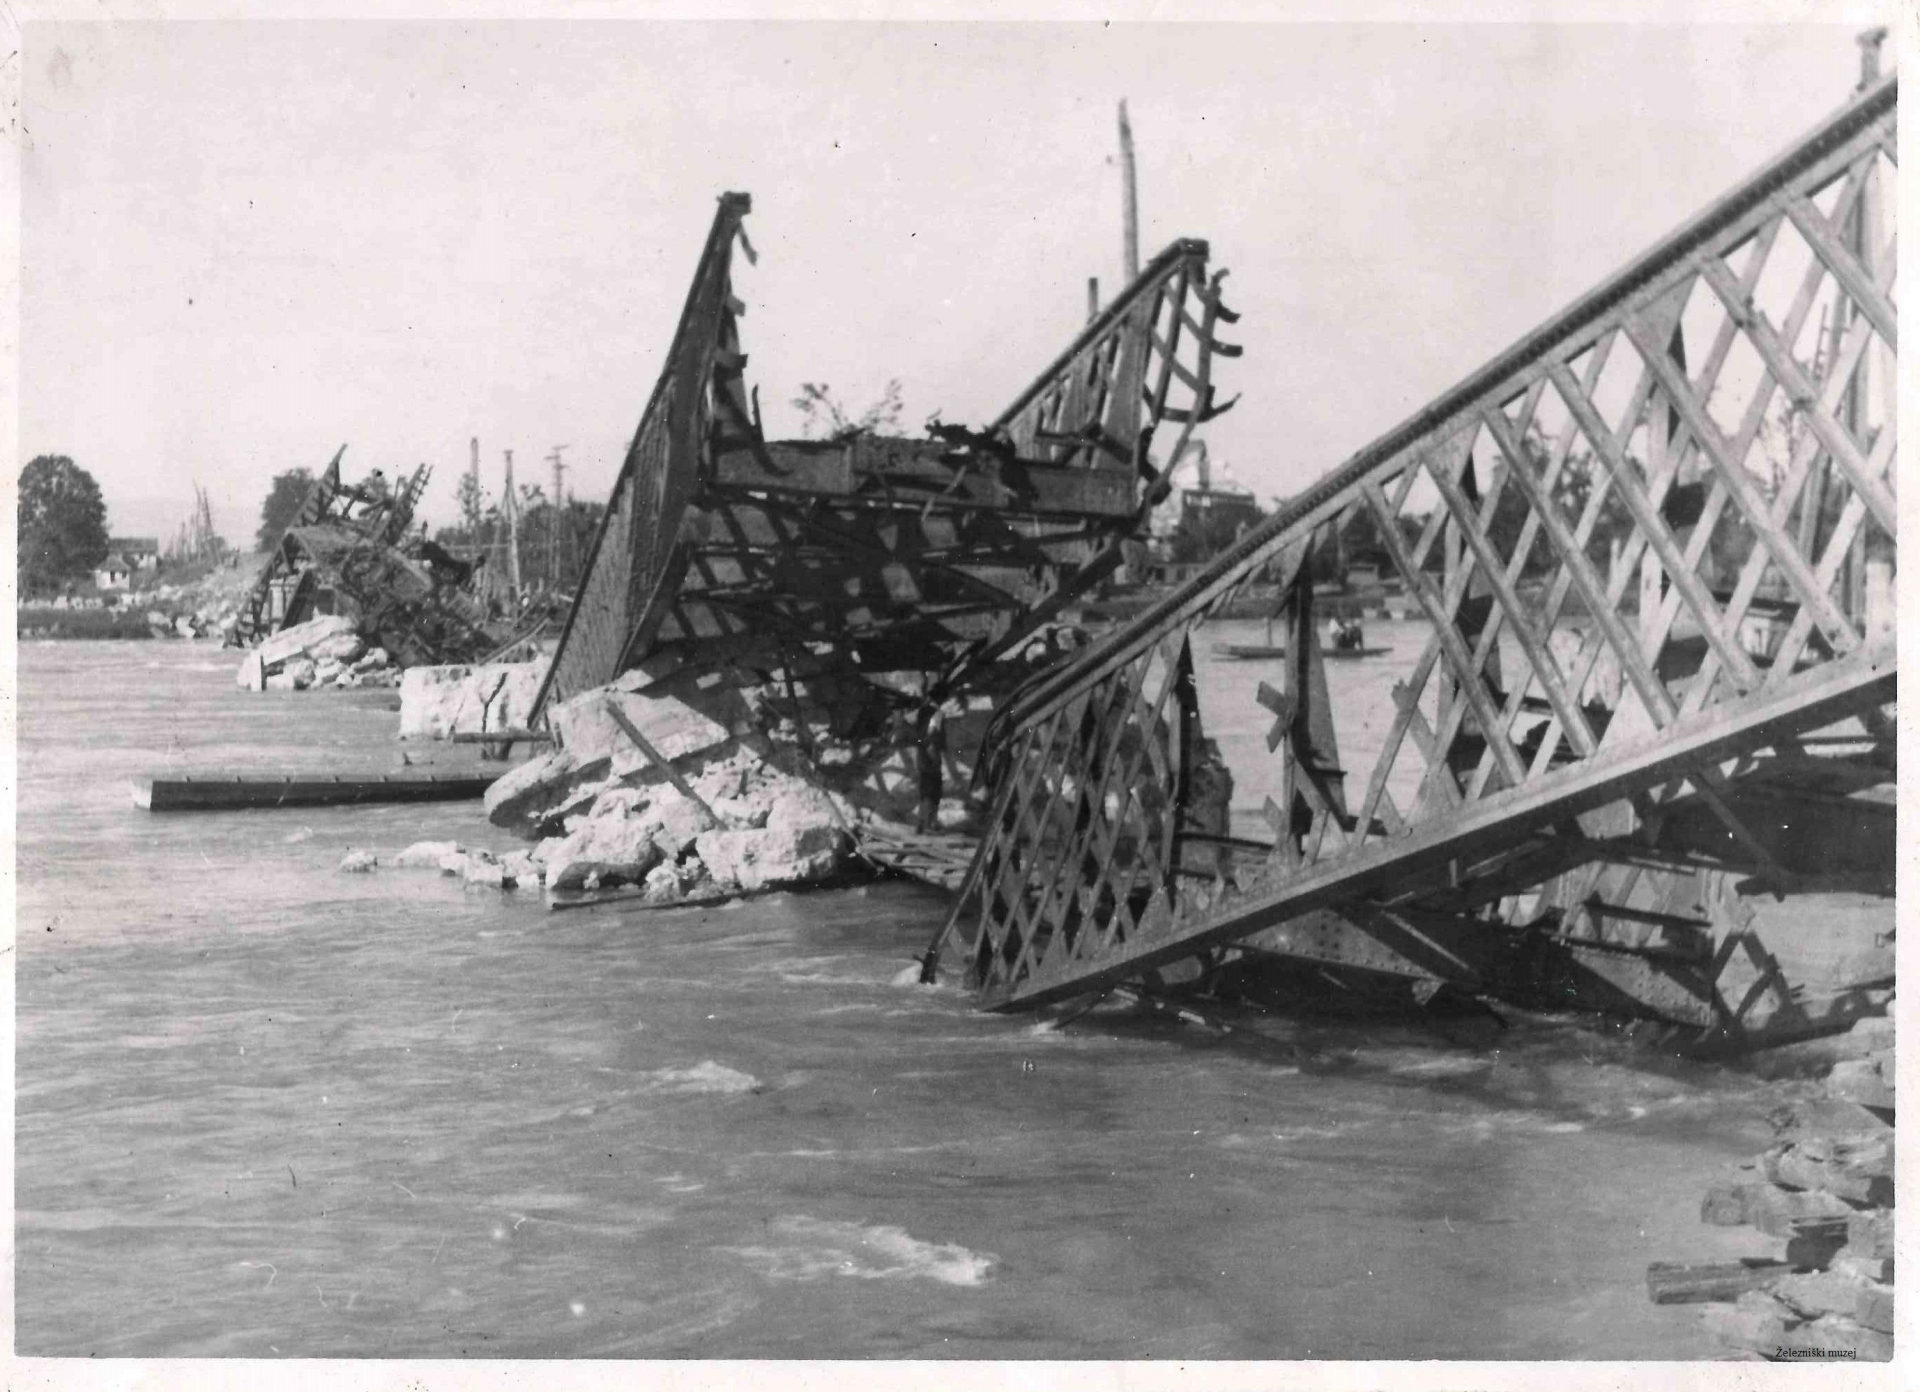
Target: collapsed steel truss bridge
{"x": 1652, "y": 540}
{"x": 352, "y": 541}
{"x": 723, "y": 552}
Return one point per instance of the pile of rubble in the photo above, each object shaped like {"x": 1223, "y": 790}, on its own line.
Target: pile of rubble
{"x": 323, "y": 652}
{"x": 198, "y": 625}
{"x": 646, "y": 791}
{"x": 739, "y": 827}
{"x": 1826, "y": 1188}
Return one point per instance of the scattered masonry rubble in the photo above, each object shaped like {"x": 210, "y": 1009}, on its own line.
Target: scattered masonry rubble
{"x": 1825, "y": 1188}
{"x": 323, "y": 652}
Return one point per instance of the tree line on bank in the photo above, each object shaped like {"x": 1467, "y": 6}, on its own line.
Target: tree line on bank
{"x": 62, "y": 529}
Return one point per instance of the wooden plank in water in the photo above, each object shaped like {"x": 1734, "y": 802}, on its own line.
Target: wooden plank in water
{"x": 1670, "y": 1283}
{"x": 210, "y": 792}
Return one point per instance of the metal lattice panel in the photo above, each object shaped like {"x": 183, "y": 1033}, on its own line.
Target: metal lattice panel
{"x": 1642, "y": 538}
{"x": 722, "y": 550}
{"x": 634, "y": 557}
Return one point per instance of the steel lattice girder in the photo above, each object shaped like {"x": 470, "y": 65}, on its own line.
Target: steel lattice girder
{"x": 935, "y": 556}
{"x": 1536, "y": 705}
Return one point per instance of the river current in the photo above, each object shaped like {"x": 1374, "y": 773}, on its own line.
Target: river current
{"x": 264, "y": 1108}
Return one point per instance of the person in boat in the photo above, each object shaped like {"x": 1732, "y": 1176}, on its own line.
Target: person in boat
{"x": 1345, "y": 635}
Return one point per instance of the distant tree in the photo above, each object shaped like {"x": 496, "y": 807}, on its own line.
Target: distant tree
{"x": 472, "y": 501}
{"x": 63, "y": 523}
{"x": 289, "y": 490}
{"x": 823, "y": 416}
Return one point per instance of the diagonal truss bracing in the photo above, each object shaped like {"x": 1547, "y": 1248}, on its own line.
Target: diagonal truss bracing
{"x": 870, "y": 554}
{"x": 1646, "y": 542}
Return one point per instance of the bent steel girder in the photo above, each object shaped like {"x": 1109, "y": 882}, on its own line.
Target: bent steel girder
{"x": 723, "y": 549}
{"x": 636, "y": 552}
{"x": 1642, "y": 538}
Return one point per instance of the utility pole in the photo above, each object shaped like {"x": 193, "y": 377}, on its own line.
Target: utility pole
{"x": 472, "y": 518}
{"x": 554, "y": 568}
{"x": 1130, "y": 196}
{"x": 513, "y": 535}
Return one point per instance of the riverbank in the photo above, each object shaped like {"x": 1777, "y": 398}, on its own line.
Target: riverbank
{"x": 205, "y": 596}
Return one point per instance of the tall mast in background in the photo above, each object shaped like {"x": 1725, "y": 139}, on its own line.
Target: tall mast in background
{"x": 1130, "y": 200}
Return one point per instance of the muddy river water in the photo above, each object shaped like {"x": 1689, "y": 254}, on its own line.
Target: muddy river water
{"x": 265, "y": 1108}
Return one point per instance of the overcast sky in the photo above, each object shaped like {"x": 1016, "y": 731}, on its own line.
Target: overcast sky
{"x": 246, "y": 244}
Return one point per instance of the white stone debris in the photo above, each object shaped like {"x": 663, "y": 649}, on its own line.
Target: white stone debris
{"x": 322, "y": 652}
{"x": 439, "y": 702}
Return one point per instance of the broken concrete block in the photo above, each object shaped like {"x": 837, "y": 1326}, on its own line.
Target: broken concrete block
{"x": 776, "y": 854}
{"x": 1862, "y": 1173}
{"x": 605, "y": 851}
{"x": 359, "y": 862}
{"x": 1879, "y": 1269}
{"x": 1755, "y": 1321}
{"x": 677, "y": 821}
{"x": 339, "y": 647}
{"x": 1862, "y": 1081}
{"x": 1786, "y": 1212}
{"x": 1840, "y": 1336}
{"x": 1871, "y": 1234}
{"x": 488, "y": 874}
{"x": 534, "y": 795}
{"x": 302, "y": 638}
{"x": 520, "y": 869}
{"x": 1816, "y": 1293}
{"x": 587, "y": 731}
{"x": 740, "y": 811}
{"x": 438, "y": 702}
{"x": 1725, "y": 1206}
{"x": 425, "y": 855}
{"x": 252, "y": 675}
{"x": 664, "y": 884}
{"x": 1873, "y": 1306}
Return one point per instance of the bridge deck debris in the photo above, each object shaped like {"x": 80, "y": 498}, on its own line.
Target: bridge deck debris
{"x": 348, "y": 549}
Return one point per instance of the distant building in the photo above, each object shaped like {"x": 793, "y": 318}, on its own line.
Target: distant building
{"x": 114, "y": 573}
{"x": 141, "y": 553}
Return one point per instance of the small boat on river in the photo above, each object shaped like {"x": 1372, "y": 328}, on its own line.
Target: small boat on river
{"x": 1262, "y": 652}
